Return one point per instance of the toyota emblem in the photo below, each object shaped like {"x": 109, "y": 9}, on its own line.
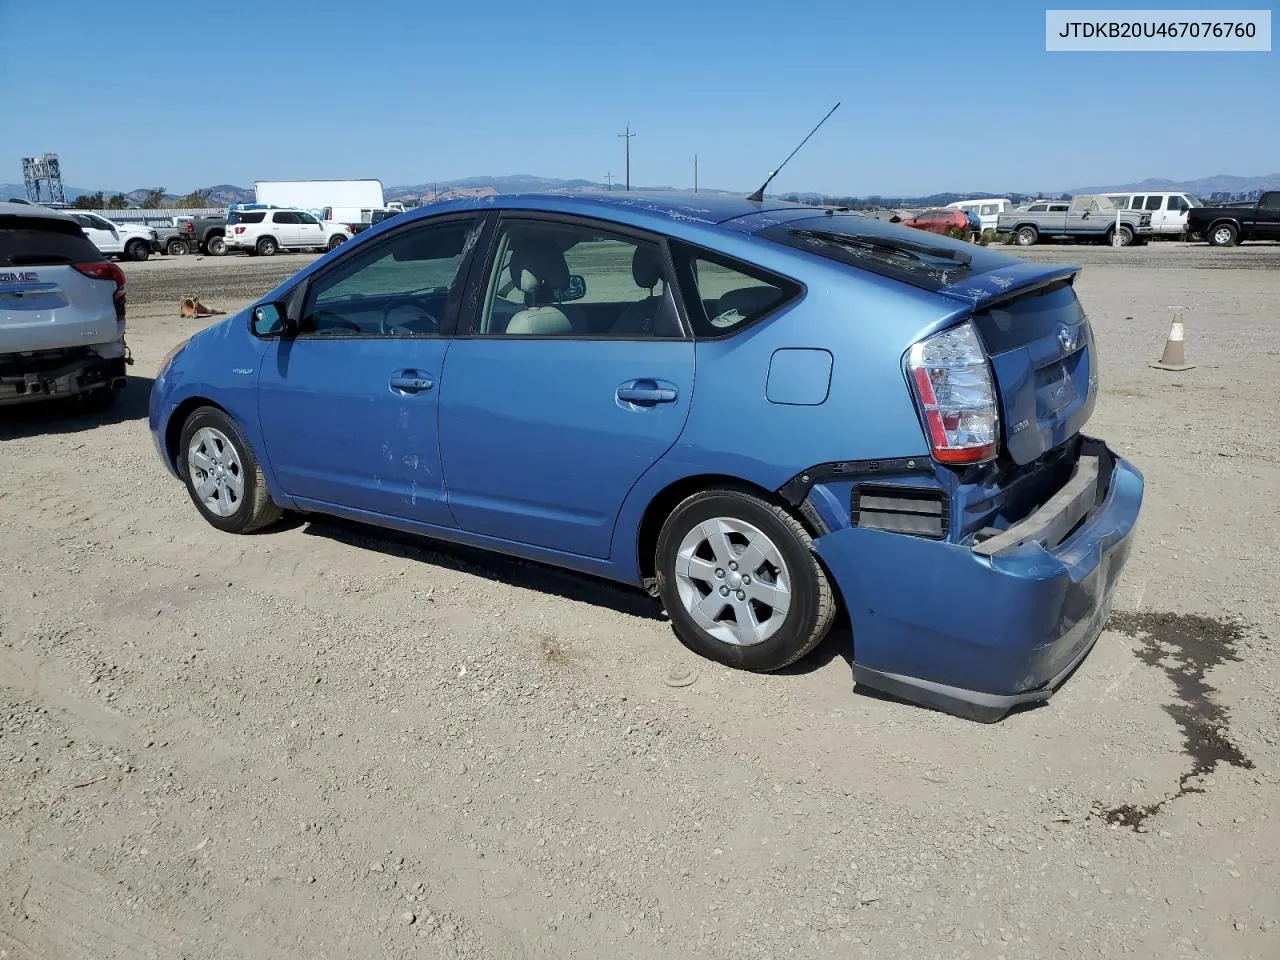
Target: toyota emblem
{"x": 1069, "y": 338}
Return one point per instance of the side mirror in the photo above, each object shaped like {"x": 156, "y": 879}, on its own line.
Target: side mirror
{"x": 576, "y": 290}
{"x": 271, "y": 319}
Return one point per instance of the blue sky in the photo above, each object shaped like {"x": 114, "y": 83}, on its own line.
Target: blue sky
{"x": 936, "y": 96}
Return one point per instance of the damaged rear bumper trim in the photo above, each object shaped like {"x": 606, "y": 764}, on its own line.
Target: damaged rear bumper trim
{"x": 967, "y": 704}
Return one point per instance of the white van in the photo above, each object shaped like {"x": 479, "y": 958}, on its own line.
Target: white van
{"x": 1168, "y": 209}
{"x": 988, "y": 209}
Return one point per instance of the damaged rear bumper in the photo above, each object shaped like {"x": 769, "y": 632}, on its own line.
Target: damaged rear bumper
{"x": 54, "y": 374}
{"x": 978, "y": 628}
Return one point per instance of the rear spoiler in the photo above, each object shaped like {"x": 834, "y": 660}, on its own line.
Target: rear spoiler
{"x": 1006, "y": 283}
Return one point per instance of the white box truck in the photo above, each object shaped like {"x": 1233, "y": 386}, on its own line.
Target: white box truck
{"x": 352, "y": 202}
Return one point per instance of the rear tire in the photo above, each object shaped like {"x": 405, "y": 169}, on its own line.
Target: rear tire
{"x": 222, "y": 473}
{"x": 176, "y": 248}
{"x": 1027, "y": 236}
{"x": 1223, "y": 235}
{"x": 137, "y": 250}
{"x": 216, "y": 246}
{"x": 267, "y": 247}
{"x": 728, "y": 543}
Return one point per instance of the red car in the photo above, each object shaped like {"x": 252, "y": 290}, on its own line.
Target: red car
{"x": 940, "y": 221}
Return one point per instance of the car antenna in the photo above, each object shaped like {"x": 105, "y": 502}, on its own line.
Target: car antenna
{"x": 758, "y": 196}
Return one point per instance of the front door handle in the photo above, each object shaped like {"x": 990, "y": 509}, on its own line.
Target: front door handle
{"x": 646, "y": 393}
{"x": 410, "y": 382}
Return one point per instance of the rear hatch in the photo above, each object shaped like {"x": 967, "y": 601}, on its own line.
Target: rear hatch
{"x": 1027, "y": 315}
{"x": 45, "y": 302}
{"x": 1040, "y": 345}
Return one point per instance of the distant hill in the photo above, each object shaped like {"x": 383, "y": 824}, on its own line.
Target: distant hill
{"x": 1220, "y": 188}
{"x": 491, "y": 186}
{"x": 1223, "y": 186}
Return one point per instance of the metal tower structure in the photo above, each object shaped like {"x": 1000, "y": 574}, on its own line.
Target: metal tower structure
{"x": 39, "y": 171}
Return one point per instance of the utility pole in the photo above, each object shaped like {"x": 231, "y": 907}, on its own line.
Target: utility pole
{"x": 627, "y": 137}
{"x": 695, "y": 173}
{"x": 608, "y": 179}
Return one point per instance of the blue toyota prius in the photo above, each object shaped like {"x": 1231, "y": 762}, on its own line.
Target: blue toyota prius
{"x": 759, "y": 411}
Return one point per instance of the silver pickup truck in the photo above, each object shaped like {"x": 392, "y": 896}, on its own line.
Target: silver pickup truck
{"x": 1085, "y": 218}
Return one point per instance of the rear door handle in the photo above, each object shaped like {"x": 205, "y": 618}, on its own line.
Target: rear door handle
{"x": 646, "y": 393}
{"x": 409, "y": 381}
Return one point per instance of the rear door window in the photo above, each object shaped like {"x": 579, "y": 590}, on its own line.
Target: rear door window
{"x": 1154, "y": 203}
{"x": 724, "y": 295}
{"x": 43, "y": 241}
{"x": 284, "y": 216}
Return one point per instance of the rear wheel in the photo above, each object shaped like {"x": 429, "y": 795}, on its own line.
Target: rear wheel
{"x": 1223, "y": 235}
{"x": 1027, "y": 236}
{"x": 216, "y": 246}
{"x": 137, "y": 250}
{"x": 222, "y": 473}
{"x": 176, "y": 248}
{"x": 267, "y": 247}
{"x": 739, "y": 579}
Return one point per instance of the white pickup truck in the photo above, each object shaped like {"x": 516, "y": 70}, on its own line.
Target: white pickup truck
{"x": 61, "y": 311}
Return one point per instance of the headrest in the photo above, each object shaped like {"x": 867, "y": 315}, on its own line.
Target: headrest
{"x": 646, "y": 267}
{"x": 538, "y": 267}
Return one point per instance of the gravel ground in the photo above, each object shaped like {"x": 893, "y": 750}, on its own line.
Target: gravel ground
{"x": 324, "y": 742}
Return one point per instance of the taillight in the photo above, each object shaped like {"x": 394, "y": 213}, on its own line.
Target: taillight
{"x": 956, "y": 392}
{"x": 239, "y": 230}
{"x": 106, "y": 270}
{"x": 188, "y": 226}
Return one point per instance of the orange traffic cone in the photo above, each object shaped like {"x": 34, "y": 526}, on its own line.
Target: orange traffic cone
{"x": 192, "y": 307}
{"x": 1174, "y": 357}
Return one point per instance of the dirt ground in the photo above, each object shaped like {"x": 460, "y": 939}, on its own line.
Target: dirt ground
{"x": 323, "y": 742}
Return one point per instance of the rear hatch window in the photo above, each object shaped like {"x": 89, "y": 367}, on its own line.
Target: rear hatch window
{"x": 922, "y": 259}
{"x": 43, "y": 242}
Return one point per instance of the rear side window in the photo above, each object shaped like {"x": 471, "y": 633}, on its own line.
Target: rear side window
{"x": 989, "y": 210}
{"x": 1153, "y": 203}
{"x": 724, "y": 295}
{"x": 246, "y": 216}
{"x": 42, "y": 241}
{"x": 1038, "y": 208}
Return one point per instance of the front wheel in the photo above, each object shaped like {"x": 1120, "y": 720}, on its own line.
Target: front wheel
{"x": 176, "y": 248}
{"x": 1126, "y": 236}
{"x": 137, "y": 250}
{"x": 222, "y": 473}
{"x": 336, "y": 241}
{"x": 739, "y": 579}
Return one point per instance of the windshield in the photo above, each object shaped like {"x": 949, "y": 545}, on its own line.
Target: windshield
{"x": 930, "y": 262}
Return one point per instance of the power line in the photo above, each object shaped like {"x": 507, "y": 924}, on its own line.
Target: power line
{"x": 626, "y": 136}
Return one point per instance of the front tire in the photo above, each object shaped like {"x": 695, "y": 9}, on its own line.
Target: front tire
{"x": 1223, "y": 235}
{"x": 1126, "y": 236}
{"x": 176, "y": 248}
{"x": 137, "y": 251}
{"x": 739, "y": 579}
{"x": 336, "y": 241}
{"x": 222, "y": 474}
{"x": 1027, "y": 236}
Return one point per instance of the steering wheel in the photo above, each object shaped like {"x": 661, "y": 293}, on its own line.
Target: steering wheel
{"x": 331, "y": 321}
{"x": 412, "y": 311}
